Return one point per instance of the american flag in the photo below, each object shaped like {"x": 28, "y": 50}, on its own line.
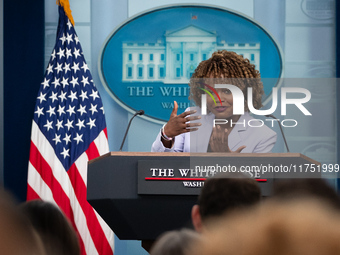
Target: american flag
{"x": 68, "y": 130}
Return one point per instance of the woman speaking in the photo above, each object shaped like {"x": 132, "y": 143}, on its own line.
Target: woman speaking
{"x": 192, "y": 131}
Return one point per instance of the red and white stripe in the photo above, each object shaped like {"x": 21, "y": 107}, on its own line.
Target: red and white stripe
{"x": 48, "y": 180}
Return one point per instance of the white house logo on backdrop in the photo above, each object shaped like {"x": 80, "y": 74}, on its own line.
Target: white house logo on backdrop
{"x": 174, "y": 61}
{"x": 148, "y": 60}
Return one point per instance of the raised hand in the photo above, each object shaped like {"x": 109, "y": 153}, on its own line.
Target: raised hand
{"x": 177, "y": 124}
{"x": 219, "y": 140}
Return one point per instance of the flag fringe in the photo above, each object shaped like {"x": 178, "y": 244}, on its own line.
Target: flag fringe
{"x": 66, "y": 5}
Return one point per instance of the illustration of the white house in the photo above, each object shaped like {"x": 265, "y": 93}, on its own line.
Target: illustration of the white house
{"x": 175, "y": 60}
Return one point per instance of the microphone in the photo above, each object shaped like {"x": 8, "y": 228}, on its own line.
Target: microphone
{"x": 140, "y": 112}
{"x": 284, "y": 138}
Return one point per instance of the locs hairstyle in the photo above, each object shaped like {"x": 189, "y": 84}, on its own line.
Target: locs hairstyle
{"x": 232, "y": 68}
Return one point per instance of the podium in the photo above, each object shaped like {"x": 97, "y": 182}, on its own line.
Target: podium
{"x": 143, "y": 194}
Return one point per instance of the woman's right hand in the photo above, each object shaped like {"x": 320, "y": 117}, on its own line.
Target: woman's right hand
{"x": 177, "y": 124}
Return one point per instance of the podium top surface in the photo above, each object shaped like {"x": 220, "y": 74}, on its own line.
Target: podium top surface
{"x": 188, "y": 154}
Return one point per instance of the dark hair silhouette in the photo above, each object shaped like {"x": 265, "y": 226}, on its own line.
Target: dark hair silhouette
{"x": 318, "y": 188}
{"x": 55, "y": 231}
{"x": 226, "y": 192}
{"x": 175, "y": 242}
{"x": 16, "y": 233}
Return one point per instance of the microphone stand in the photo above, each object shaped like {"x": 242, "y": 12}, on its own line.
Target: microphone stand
{"x": 284, "y": 138}
{"x": 140, "y": 112}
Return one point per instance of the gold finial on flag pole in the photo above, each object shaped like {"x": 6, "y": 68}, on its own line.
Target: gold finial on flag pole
{"x": 66, "y": 5}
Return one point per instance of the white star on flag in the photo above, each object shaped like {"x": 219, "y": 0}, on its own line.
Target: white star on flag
{"x": 39, "y": 111}
{"x": 45, "y": 83}
{"x": 74, "y": 81}
{"x": 78, "y": 138}
{"x": 42, "y": 97}
{"x": 56, "y": 139}
{"x": 75, "y": 67}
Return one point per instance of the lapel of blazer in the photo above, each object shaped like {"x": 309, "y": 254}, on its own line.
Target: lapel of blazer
{"x": 235, "y": 137}
{"x": 200, "y": 138}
